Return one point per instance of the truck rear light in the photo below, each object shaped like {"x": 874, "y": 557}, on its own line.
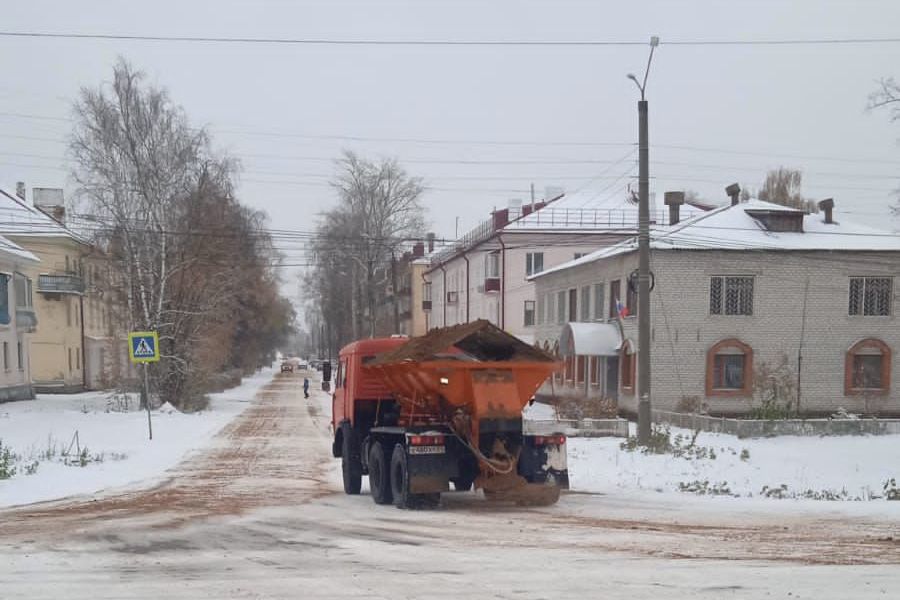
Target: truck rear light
{"x": 426, "y": 440}
{"x": 549, "y": 440}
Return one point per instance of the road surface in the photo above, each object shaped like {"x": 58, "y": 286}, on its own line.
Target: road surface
{"x": 259, "y": 514}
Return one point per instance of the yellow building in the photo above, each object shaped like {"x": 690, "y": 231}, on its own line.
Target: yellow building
{"x": 56, "y": 348}
{"x": 17, "y": 320}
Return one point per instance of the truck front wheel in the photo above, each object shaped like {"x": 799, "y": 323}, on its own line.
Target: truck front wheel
{"x": 351, "y": 465}
{"x": 380, "y": 475}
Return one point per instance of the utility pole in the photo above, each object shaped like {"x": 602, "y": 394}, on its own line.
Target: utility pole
{"x": 643, "y": 387}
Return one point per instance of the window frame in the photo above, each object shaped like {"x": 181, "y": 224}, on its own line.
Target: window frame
{"x": 584, "y": 304}
{"x": 599, "y": 296}
{"x": 723, "y": 295}
{"x": 531, "y": 263}
{"x": 746, "y": 351}
{"x": 529, "y": 311}
{"x": 492, "y": 265}
{"x": 5, "y": 312}
{"x": 861, "y": 301}
{"x": 857, "y": 350}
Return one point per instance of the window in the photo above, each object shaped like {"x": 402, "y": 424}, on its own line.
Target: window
{"x": 613, "y": 298}
{"x": 452, "y": 297}
{"x": 729, "y": 369}
{"x": 492, "y": 265}
{"x": 4, "y": 299}
{"x": 579, "y": 255}
{"x": 730, "y": 295}
{"x": 23, "y": 291}
{"x": 77, "y": 359}
{"x": 68, "y": 313}
{"x": 6, "y": 356}
{"x": 70, "y": 360}
{"x": 529, "y": 313}
{"x": 580, "y": 363}
{"x": 550, "y": 308}
{"x": 598, "y": 301}
{"x": 870, "y": 296}
{"x": 561, "y": 307}
{"x": 573, "y": 305}
{"x": 541, "y": 301}
{"x": 534, "y": 263}
{"x": 868, "y": 368}
{"x": 627, "y": 366}
{"x": 585, "y": 306}
{"x": 594, "y": 368}
{"x": 20, "y": 356}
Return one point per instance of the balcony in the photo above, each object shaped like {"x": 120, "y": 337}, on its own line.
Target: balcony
{"x": 60, "y": 284}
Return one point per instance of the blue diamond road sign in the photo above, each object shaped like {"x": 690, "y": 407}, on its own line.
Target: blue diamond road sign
{"x": 143, "y": 346}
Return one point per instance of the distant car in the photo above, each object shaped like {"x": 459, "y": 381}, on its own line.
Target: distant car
{"x": 287, "y": 367}
{"x": 302, "y": 365}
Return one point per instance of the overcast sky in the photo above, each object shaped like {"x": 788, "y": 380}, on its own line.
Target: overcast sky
{"x": 739, "y": 109}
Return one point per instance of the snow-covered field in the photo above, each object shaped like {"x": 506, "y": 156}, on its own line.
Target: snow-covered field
{"x": 850, "y": 469}
{"x": 118, "y": 452}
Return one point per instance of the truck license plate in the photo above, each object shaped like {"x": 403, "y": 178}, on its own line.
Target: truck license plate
{"x": 427, "y": 449}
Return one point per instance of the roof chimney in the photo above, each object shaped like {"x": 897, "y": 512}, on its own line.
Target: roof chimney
{"x": 20, "y": 189}
{"x": 826, "y": 206}
{"x": 50, "y": 201}
{"x": 429, "y": 237}
{"x": 418, "y": 249}
{"x": 674, "y": 200}
{"x": 734, "y": 192}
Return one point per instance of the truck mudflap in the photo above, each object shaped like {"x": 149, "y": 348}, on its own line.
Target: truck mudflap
{"x": 543, "y": 460}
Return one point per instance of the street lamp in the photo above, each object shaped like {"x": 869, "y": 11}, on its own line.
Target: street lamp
{"x": 643, "y": 383}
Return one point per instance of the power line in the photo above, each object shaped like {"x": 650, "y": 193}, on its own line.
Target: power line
{"x": 443, "y": 42}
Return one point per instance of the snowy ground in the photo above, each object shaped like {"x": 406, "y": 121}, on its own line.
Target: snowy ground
{"x": 114, "y": 432}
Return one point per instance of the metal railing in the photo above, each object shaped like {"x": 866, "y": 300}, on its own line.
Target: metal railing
{"x": 60, "y": 284}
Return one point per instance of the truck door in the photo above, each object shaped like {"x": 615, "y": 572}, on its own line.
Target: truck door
{"x": 339, "y": 398}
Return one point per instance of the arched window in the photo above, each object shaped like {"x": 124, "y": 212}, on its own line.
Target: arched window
{"x": 867, "y": 368}
{"x": 627, "y": 360}
{"x": 729, "y": 369}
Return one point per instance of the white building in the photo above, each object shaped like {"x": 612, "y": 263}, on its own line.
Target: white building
{"x": 485, "y": 274}
{"x": 17, "y": 319}
{"x": 745, "y": 297}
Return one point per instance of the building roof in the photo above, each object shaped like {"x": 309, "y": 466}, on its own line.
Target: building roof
{"x": 735, "y": 228}
{"x": 588, "y": 211}
{"x": 19, "y": 218}
{"x": 10, "y": 248}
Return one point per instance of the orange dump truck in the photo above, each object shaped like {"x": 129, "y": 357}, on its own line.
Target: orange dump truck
{"x": 417, "y": 415}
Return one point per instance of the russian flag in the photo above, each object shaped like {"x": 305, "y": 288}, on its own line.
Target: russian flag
{"x": 621, "y": 309}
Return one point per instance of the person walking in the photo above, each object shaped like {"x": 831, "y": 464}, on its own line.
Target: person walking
{"x": 306, "y": 387}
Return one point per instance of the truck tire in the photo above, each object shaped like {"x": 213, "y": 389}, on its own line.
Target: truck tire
{"x": 400, "y": 484}
{"x": 380, "y": 475}
{"x": 351, "y": 465}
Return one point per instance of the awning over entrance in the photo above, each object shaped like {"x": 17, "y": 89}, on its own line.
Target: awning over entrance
{"x": 590, "y": 339}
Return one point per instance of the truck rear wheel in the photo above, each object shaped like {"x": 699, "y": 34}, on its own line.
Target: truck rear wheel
{"x": 400, "y": 484}
{"x": 351, "y": 465}
{"x": 380, "y": 475}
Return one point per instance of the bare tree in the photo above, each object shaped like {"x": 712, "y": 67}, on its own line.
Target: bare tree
{"x": 185, "y": 251}
{"x": 887, "y": 97}
{"x": 782, "y": 186}
{"x": 380, "y": 207}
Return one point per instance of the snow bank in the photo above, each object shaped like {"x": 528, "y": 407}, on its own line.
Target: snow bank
{"x": 114, "y": 432}
{"x": 850, "y": 467}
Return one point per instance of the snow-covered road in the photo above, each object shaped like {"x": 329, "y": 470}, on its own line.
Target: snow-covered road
{"x": 259, "y": 514}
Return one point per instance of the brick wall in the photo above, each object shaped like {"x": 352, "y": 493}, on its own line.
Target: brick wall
{"x": 683, "y": 330}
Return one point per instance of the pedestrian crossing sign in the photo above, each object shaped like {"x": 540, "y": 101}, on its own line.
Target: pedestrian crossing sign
{"x": 143, "y": 346}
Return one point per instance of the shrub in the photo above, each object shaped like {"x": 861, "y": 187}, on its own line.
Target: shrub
{"x": 7, "y": 462}
{"x": 775, "y": 389}
{"x": 581, "y": 407}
